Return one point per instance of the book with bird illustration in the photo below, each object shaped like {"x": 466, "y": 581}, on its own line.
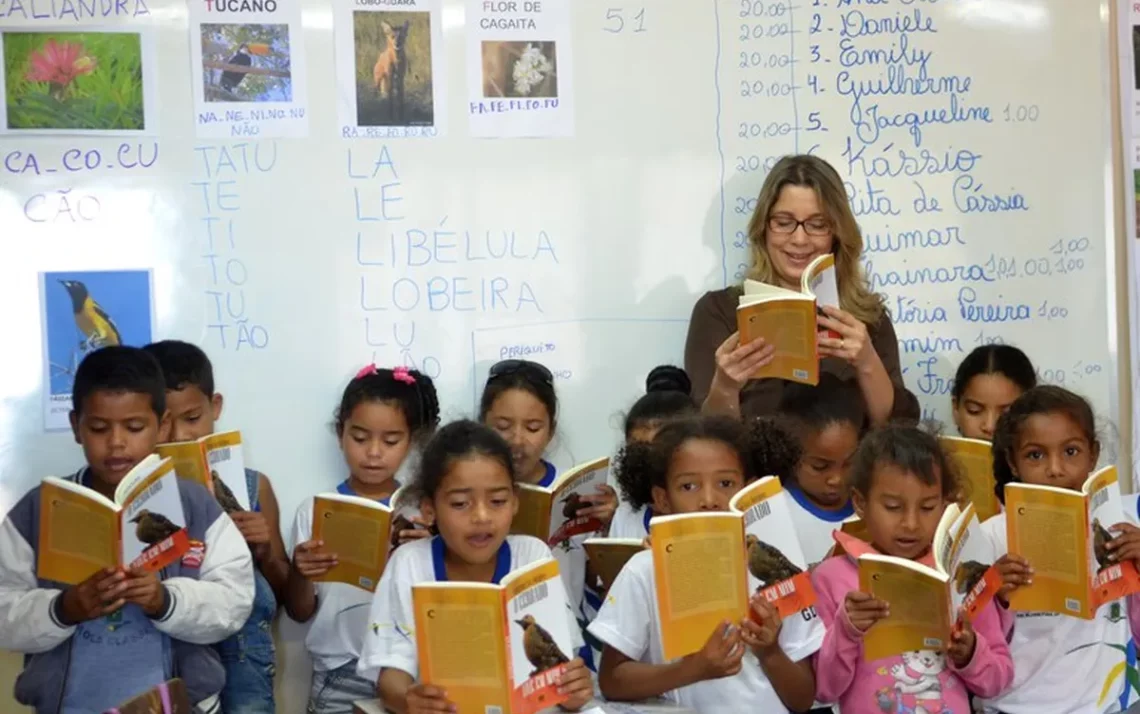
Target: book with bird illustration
{"x": 607, "y": 556}
{"x": 777, "y": 566}
{"x": 786, "y": 319}
{"x": 551, "y": 513}
{"x": 975, "y": 460}
{"x": 82, "y": 531}
{"x": 359, "y": 531}
{"x": 700, "y": 575}
{"x": 926, "y": 602}
{"x": 216, "y": 462}
{"x": 1064, "y": 535}
{"x": 496, "y": 648}
{"x": 170, "y": 697}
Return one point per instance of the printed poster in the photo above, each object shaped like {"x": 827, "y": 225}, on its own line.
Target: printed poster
{"x": 389, "y": 68}
{"x": 95, "y": 82}
{"x": 519, "y": 68}
{"x": 248, "y": 69}
{"x": 82, "y": 312}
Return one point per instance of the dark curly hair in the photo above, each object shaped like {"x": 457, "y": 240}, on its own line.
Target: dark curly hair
{"x": 418, "y": 400}
{"x": 910, "y": 449}
{"x": 1045, "y": 399}
{"x": 764, "y": 449}
{"x": 668, "y": 394}
{"x": 458, "y": 440}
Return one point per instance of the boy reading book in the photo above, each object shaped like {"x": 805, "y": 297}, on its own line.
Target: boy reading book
{"x": 93, "y": 645}
{"x": 195, "y": 408}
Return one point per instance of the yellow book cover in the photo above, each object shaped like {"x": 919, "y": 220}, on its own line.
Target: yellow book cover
{"x": 216, "y": 462}
{"x": 607, "y": 556}
{"x": 82, "y": 531}
{"x": 358, "y": 530}
{"x": 1049, "y": 527}
{"x": 975, "y": 460}
{"x": 551, "y": 513}
{"x": 189, "y": 461}
{"x": 698, "y": 565}
{"x": 788, "y": 323}
{"x": 922, "y": 612}
{"x": 496, "y": 647}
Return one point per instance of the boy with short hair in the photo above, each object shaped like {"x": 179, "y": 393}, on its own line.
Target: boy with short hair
{"x": 248, "y": 656}
{"x": 91, "y": 646}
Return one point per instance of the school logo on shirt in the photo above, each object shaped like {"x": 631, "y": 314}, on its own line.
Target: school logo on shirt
{"x": 195, "y": 554}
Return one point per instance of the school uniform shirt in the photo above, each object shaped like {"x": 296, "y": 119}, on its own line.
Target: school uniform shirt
{"x": 336, "y": 630}
{"x": 629, "y": 623}
{"x": 630, "y": 522}
{"x": 815, "y": 526}
{"x": 390, "y": 639}
{"x": 1063, "y": 664}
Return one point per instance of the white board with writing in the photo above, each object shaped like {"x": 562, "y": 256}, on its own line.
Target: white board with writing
{"x": 973, "y": 135}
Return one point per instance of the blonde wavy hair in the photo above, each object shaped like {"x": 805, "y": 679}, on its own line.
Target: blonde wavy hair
{"x": 855, "y": 295}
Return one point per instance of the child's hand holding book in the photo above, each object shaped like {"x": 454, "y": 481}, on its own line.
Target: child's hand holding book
{"x": 721, "y": 656}
{"x": 1015, "y": 572}
{"x": 1125, "y": 546}
{"x": 255, "y": 530}
{"x": 864, "y": 610}
{"x": 98, "y": 595}
{"x": 145, "y": 590}
{"x": 762, "y": 634}
{"x": 962, "y": 643}
{"x": 427, "y": 699}
{"x": 311, "y": 561}
{"x": 576, "y": 684}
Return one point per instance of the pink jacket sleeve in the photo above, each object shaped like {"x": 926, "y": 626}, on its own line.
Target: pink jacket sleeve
{"x": 838, "y": 658}
{"x": 990, "y": 671}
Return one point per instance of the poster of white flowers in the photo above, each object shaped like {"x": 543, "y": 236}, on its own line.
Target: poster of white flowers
{"x": 519, "y": 69}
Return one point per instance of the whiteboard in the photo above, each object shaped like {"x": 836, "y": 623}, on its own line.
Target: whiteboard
{"x": 293, "y": 261}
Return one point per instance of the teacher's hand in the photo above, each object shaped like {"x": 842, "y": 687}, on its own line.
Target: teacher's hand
{"x": 853, "y": 345}
{"x": 735, "y": 362}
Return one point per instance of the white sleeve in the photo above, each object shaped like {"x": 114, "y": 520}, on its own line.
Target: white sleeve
{"x": 390, "y": 641}
{"x": 27, "y": 612}
{"x": 994, "y": 529}
{"x": 218, "y": 603}
{"x": 801, "y": 634}
{"x": 302, "y": 525}
{"x": 624, "y": 621}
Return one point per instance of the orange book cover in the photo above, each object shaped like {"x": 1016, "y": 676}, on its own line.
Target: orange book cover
{"x": 789, "y": 325}
{"x": 358, "y": 531}
{"x": 975, "y": 460}
{"x": 551, "y": 514}
{"x": 1049, "y": 527}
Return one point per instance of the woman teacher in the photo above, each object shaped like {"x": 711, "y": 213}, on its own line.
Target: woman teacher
{"x": 801, "y": 213}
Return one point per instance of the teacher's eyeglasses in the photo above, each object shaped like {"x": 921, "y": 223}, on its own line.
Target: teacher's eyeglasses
{"x": 786, "y": 225}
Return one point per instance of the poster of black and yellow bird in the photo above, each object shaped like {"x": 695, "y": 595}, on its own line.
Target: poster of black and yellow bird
{"x": 93, "y": 322}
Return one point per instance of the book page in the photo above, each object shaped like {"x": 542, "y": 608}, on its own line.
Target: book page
{"x": 153, "y": 522}
{"x": 1049, "y": 529}
{"x": 777, "y": 568}
{"x": 189, "y": 461}
{"x": 360, "y": 537}
{"x": 698, "y": 563}
{"x": 78, "y": 536}
{"x": 920, "y": 609}
{"x": 975, "y": 460}
{"x": 821, "y": 282}
{"x": 538, "y": 623}
{"x": 567, "y": 502}
{"x": 461, "y": 643}
{"x": 1112, "y": 580}
{"x": 533, "y": 517}
{"x": 608, "y": 556}
{"x": 227, "y": 471}
{"x": 790, "y": 327}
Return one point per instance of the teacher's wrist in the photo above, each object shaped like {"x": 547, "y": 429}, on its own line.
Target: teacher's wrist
{"x": 723, "y": 397}
{"x": 868, "y": 363}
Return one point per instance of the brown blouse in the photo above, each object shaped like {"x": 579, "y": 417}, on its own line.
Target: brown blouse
{"x": 714, "y": 319}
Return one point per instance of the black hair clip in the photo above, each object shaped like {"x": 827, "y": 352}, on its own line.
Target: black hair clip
{"x": 525, "y": 367}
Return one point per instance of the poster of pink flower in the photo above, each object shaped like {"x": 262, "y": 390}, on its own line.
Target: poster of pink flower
{"x": 74, "y": 82}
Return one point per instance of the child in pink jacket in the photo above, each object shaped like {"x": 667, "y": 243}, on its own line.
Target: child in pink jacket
{"x": 901, "y": 482}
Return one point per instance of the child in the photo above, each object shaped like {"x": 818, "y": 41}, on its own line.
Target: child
{"x": 248, "y": 656}
{"x": 827, "y": 420}
{"x": 383, "y": 413}
{"x": 468, "y": 484}
{"x": 698, "y": 465}
{"x": 90, "y": 646}
{"x": 666, "y": 397}
{"x": 988, "y": 380}
{"x": 1062, "y": 663}
{"x": 901, "y": 481}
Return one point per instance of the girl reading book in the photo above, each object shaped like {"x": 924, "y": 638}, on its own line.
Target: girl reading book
{"x": 467, "y": 481}
{"x": 1062, "y": 663}
{"x": 988, "y": 380}
{"x": 697, "y": 465}
{"x": 827, "y": 420}
{"x": 667, "y": 397}
{"x": 383, "y": 413}
{"x": 901, "y": 482}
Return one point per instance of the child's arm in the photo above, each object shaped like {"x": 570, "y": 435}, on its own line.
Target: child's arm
{"x": 846, "y": 619}
{"x": 980, "y": 655}
{"x": 262, "y": 530}
{"x": 622, "y": 678}
{"x": 401, "y": 694}
{"x": 794, "y": 682}
{"x": 217, "y": 604}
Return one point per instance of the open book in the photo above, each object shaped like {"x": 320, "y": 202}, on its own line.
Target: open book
{"x": 167, "y": 698}
{"x": 1063, "y": 534}
{"x": 551, "y": 514}
{"x": 82, "y": 531}
{"x": 777, "y": 567}
{"x": 496, "y": 648}
{"x": 926, "y": 602}
{"x": 607, "y": 556}
{"x": 216, "y": 462}
{"x": 976, "y": 462}
{"x": 787, "y": 320}
{"x": 359, "y": 531}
